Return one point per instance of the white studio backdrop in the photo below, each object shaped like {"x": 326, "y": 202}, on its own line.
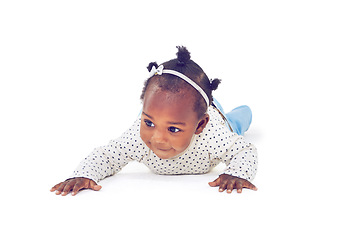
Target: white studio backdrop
{"x": 71, "y": 74}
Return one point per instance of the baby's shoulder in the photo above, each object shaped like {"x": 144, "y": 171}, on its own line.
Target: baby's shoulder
{"x": 215, "y": 117}
{"x": 217, "y": 127}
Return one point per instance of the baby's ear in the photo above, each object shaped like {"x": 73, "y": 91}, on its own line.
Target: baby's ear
{"x": 202, "y": 123}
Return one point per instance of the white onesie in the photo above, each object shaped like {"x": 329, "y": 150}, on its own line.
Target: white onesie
{"x": 214, "y": 145}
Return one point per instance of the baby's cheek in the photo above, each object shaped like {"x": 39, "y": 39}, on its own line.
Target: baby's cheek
{"x": 182, "y": 144}
{"x": 144, "y": 136}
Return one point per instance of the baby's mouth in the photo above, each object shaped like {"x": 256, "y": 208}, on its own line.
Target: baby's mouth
{"x": 164, "y": 153}
{"x": 160, "y": 147}
{"x": 163, "y": 149}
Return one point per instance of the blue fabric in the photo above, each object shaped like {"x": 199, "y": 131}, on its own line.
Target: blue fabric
{"x": 239, "y": 118}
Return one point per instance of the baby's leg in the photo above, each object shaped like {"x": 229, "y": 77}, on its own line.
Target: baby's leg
{"x": 240, "y": 119}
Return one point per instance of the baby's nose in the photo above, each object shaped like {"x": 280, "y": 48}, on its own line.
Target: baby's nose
{"x": 159, "y": 137}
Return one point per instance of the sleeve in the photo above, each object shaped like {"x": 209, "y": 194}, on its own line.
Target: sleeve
{"x": 110, "y": 159}
{"x": 241, "y": 159}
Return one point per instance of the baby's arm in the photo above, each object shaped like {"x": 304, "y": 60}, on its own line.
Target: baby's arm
{"x": 101, "y": 163}
{"x": 104, "y": 161}
{"x": 241, "y": 160}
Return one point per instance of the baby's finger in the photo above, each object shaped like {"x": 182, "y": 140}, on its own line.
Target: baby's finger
{"x": 68, "y": 187}
{"x": 230, "y": 187}
{"x": 223, "y": 186}
{"x": 60, "y": 188}
{"x": 239, "y": 186}
{"x": 215, "y": 183}
{"x": 55, "y": 187}
{"x": 78, "y": 186}
{"x": 94, "y": 186}
{"x": 247, "y": 184}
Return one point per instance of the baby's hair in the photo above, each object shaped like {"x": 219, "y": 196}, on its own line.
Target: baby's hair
{"x": 189, "y": 68}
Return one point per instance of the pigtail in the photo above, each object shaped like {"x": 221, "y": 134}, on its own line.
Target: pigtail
{"x": 214, "y": 84}
{"x": 183, "y": 56}
{"x": 151, "y": 65}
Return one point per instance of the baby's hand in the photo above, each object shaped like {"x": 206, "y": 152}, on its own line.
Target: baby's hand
{"x": 75, "y": 185}
{"x": 229, "y": 182}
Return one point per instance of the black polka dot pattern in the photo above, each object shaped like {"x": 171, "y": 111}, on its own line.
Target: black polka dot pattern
{"x": 214, "y": 145}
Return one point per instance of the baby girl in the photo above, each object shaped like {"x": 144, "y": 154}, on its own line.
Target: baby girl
{"x": 181, "y": 130}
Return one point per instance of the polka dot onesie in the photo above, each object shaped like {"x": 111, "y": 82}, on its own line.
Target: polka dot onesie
{"x": 214, "y": 145}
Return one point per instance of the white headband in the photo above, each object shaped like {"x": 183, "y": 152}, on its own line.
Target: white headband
{"x": 160, "y": 70}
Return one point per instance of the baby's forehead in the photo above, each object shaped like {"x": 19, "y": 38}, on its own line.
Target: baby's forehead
{"x": 163, "y": 96}
{"x": 170, "y": 95}
{"x": 173, "y": 107}
{"x": 157, "y": 97}
{"x": 177, "y": 89}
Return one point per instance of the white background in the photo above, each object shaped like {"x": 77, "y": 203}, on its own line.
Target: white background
{"x": 71, "y": 75}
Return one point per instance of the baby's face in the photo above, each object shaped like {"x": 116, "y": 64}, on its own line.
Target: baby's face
{"x": 168, "y": 122}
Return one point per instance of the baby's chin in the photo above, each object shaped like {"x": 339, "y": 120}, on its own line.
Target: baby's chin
{"x": 168, "y": 154}
{"x": 165, "y": 154}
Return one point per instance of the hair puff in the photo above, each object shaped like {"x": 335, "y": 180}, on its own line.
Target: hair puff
{"x": 183, "y": 55}
{"x": 150, "y": 66}
{"x": 214, "y": 83}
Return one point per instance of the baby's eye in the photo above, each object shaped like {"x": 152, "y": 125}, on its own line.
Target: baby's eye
{"x": 174, "y": 129}
{"x": 149, "y": 123}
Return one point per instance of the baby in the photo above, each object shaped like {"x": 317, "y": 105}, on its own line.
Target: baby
{"x": 181, "y": 130}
